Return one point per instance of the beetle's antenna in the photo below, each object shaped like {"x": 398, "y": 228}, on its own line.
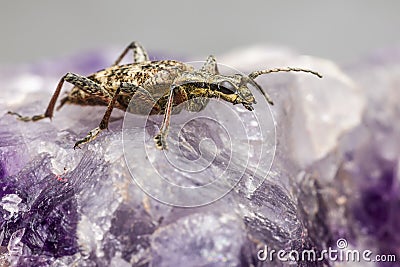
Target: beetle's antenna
{"x": 257, "y": 73}
{"x": 267, "y": 97}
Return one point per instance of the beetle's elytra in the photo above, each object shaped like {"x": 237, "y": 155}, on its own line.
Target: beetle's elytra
{"x": 156, "y": 87}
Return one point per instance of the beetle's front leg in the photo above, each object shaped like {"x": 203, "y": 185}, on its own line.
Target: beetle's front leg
{"x": 161, "y": 138}
{"x": 210, "y": 65}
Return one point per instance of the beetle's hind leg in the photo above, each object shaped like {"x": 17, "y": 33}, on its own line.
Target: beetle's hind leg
{"x": 50, "y": 107}
{"x": 80, "y": 81}
{"x": 139, "y": 53}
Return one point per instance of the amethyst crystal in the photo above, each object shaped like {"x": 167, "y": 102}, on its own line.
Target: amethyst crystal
{"x": 324, "y": 166}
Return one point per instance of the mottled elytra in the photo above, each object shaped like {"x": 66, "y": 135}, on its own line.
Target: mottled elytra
{"x": 155, "y": 87}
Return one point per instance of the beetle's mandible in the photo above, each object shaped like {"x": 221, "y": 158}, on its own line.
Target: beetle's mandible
{"x": 155, "y": 87}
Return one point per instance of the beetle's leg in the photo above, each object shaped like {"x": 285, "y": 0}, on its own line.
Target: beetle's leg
{"x": 139, "y": 53}
{"x": 80, "y": 81}
{"x": 161, "y": 138}
{"x": 124, "y": 87}
{"x": 210, "y": 65}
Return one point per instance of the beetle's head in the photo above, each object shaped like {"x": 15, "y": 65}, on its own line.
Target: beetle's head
{"x": 235, "y": 89}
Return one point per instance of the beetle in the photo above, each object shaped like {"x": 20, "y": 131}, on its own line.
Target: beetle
{"x": 156, "y": 88}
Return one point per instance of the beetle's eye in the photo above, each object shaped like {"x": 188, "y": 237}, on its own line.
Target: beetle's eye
{"x": 226, "y": 87}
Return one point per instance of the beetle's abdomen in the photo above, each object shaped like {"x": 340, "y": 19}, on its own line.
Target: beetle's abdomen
{"x": 139, "y": 73}
{"x": 153, "y": 77}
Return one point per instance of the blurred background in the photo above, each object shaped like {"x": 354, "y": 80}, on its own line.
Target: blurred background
{"x": 339, "y": 30}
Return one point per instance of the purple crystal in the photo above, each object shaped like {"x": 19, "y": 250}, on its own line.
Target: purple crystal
{"x": 2, "y": 170}
{"x": 335, "y": 172}
{"x": 48, "y": 215}
{"x": 374, "y": 155}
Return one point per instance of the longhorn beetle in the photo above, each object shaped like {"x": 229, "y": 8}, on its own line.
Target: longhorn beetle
{"x": 155, "y": 87}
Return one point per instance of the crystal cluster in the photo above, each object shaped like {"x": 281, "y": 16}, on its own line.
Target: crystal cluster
{"x": 328, "y": 169}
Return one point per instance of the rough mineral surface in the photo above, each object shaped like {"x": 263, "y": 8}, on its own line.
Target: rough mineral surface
{"x": 326, "y": 167}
